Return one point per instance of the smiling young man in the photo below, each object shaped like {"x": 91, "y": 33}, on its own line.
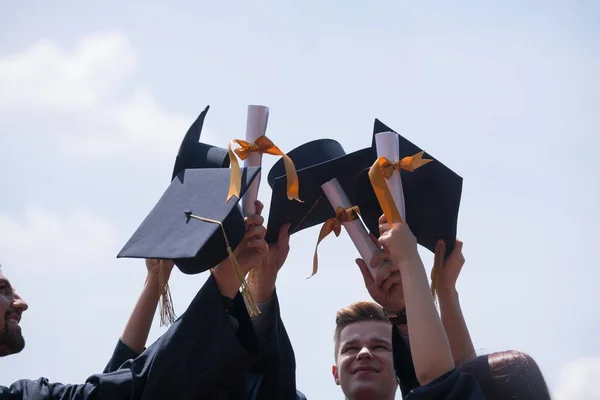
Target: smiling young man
{"x": 364, "y": 356}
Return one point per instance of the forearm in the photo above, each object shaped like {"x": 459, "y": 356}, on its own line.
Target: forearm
{"x": 455, "y": 326}
{"x": 428, "y": 342}
{"x": 138, "y": 326}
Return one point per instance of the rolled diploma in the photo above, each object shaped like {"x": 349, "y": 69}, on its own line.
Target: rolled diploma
{"x": 256, "y": 126}
{"x": 387, "y": 146}
{"x": 356, "y": 230}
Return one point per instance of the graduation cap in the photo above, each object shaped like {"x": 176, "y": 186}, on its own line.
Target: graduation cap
{"x": 195, "y": 154}
{"x": 431, "y": 195}
{"x": 316, "y": 162}
{"x": 192, "y": 224}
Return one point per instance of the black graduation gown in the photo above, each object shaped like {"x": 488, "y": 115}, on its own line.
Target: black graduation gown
{"x": 454, "y": 385}
{"x": 179, "y": 365}
{"x": 273, "y": 376}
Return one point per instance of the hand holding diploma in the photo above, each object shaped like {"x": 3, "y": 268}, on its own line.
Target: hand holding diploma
{"x": 346, "y": 216}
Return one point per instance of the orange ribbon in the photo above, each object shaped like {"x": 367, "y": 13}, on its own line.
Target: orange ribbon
{"x": 382, "y": 170}
{"x": 334, "y": 225}
{"x": 262, "y": 145}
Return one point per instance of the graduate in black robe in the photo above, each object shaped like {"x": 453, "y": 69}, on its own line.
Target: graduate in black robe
{"x": 272, "y": 376}
{"x": 205, "y": 349}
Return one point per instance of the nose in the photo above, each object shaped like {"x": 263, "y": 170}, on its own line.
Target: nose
{"x": 18, "y": 303}
{"x": 363, "y": 354}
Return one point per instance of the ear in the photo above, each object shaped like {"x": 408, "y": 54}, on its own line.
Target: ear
{"x": 336, "y": 376}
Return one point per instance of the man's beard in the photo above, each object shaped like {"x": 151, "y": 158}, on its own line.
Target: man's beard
{"x": 11, "y": 339}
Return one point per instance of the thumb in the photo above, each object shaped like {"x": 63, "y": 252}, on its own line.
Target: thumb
{"x": 367, "y": 277}
{"x": 283, "y": 241}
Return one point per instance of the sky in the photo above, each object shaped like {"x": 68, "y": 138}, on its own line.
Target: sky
{"x": 96, "y": 97}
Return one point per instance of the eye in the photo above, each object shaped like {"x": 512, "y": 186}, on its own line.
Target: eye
{"x": 350, "y": 348}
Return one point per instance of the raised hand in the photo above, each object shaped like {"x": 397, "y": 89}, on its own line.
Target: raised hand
{"x": 447, "y": 271}
{"x": 398, "y": 241}
{"x": 153, "y": 267}
{"x": 262, "y": 279}
{"x": 385, "y": 287}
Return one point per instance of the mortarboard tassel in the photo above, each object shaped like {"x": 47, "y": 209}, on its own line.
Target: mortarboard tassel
{"x": 251, "y": 306}
{"x": 438, "y": 260}
{"x": 167, "y": 311}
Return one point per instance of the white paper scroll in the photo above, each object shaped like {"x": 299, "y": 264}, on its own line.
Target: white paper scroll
{"x": 356, "y": 230}
{"x": 387, "y": 146}
{"x": 256, "y": 126}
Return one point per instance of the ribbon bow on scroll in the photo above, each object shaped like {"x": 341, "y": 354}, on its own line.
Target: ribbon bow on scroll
{"x": 262, "y": 145}
{"x": 334, "y": 225}
{"x": 382, "y": 170}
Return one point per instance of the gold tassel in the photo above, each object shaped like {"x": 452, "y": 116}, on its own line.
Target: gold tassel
{"x": 167, "y": 311}
{"x": 438, "y": 262}
{"x": 246, "y": 294}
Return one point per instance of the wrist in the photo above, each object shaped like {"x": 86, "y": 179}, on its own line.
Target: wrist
{"x": 152, "y": 279}
{"x": 447, "y": 292}
{"x": 396, "y": 317}
{"x": 410, "y": 262}
{"x": 227, "y": 281}
{"x": 262, "y": 295}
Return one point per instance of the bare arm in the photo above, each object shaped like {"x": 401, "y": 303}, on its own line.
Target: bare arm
{"x": 138, "y": 326}
{"x": 452, "y": 317}
{"x": 431, "y": 353}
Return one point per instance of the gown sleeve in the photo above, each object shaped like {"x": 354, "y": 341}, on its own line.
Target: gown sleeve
{"x": 403, "y": 364}
{"x": 201, "y": 351}
{"x": 453, "y": 385}
{"x": 120, "y": 355}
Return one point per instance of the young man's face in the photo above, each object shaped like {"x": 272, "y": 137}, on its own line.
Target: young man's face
{"x": 364, "y": 361}
{"x": 11, "y": 308}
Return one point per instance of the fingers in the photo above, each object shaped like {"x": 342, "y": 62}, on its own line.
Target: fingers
{"x": 394, "y": 279}
{"x": 383, "y": 228}
{"x": 379, "y": 258}
{"x": 384, "y": 271}
{"x": 259, "y": 206}
{"x": 256, "y": 232}
{"x": 283, "y": 240}
{"x": 382, "y": 219}
{"x": 364, "y": 270}
{"x": 254, "y": 220}
{"x": 259, "y": 245}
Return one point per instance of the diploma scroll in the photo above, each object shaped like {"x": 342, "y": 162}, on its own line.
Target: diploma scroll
{"x": 256, "y": 126}
{"x": 356, "y": 229}
{"x": 387, "y": 146}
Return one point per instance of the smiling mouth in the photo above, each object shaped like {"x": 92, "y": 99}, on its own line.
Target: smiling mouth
{"x": 365, "y": 370}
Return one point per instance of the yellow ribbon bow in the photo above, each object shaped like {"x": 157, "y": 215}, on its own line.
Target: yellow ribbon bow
{"x": 334, "y": 225}
{"x": 262, "y": 145}
{"x": 382, "y": 170}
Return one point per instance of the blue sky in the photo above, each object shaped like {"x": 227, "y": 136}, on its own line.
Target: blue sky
{"x": 95, "y": 98}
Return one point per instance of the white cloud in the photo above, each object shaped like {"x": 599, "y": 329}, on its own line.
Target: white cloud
{"x": 579, "y": 380}
{"x": 41, "y": 238}
{"x": 82, "y": 87}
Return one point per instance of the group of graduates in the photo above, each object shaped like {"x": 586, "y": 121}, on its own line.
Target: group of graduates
{"x": 231, "y": 342}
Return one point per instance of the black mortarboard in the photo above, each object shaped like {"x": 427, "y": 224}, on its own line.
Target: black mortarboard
{"x": 431, "y": 195}
{"x": 171, "y": 231}
{"x": 195, "y": 154}
{"x": 316, "y": 162}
